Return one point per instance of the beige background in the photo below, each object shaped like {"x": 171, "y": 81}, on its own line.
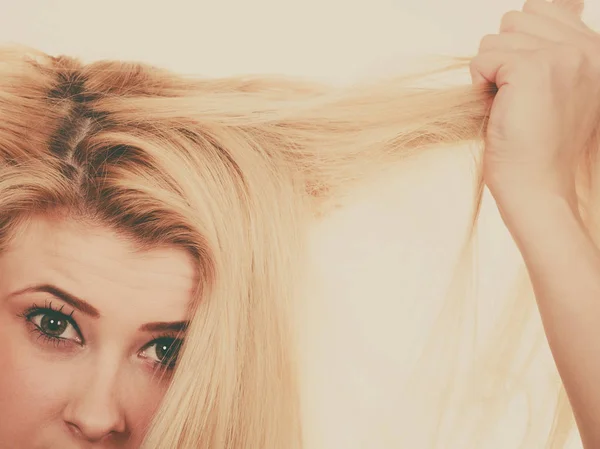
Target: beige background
{"x": 384, "y": 261}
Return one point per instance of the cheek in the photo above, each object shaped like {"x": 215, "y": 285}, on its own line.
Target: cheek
{"x": 141, "y": 398}
{"x": 33, "y": 390}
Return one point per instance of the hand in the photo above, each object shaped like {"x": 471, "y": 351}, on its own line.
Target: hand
{"x": 545, "y": 63}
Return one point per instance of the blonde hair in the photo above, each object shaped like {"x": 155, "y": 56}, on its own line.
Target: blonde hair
{"x": 233, "y": 170}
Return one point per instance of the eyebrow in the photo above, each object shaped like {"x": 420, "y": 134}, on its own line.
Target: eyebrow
{"x": 174, "y": 326}
{"x": 88, "y": 309}
{"x": 72, "y": 300}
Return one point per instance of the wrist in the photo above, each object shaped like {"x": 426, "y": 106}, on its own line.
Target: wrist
{"x": 529, "y": 185}
{"x": 539, "y": 213}
{"x": 522, "y": 195}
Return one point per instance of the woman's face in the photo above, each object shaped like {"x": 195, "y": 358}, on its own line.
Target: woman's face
{"x": 90, "y": 331}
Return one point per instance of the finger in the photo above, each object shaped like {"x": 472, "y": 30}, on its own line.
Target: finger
{"x": 476, "y": 77}
{"x": 511, "y": 41}
{"x": 491, "y": 67}
{"x": 535, "y": 25}
{"x": 575, "y": 6}
{"x": 567, "y": 12}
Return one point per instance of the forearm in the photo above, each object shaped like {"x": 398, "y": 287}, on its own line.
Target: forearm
{"x": 564, "y": 266}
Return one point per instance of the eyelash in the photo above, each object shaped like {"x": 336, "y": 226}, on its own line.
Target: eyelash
{"x": 48, "y": 309}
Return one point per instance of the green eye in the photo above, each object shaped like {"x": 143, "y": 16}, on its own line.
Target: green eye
{"x": 53, "y": 324}
{"x": 164, "y": 351}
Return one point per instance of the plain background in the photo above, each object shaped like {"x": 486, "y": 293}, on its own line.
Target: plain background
{"x": 384, "y": 261}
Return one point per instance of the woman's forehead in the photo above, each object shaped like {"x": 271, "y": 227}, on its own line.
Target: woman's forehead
{"x": 100, "y": 265}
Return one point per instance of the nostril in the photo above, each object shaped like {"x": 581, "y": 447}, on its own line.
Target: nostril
{"x": 73, "y": 429}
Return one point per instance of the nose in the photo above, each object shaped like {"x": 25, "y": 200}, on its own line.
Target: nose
{"x": 94, "y": 413}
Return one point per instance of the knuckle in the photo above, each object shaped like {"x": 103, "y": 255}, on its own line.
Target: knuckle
{"x": 531, "y": 6}
{"x": 539, "y": 7}
{"x": 488, "y": 42}
{"x": 510, "y": 21}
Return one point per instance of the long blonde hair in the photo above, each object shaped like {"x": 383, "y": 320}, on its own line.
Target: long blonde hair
{"x": 233, "y": 170}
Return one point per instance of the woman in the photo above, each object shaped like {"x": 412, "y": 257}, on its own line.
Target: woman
{"x": 152, "y": 229}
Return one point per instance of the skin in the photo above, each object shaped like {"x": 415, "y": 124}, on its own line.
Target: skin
{"x": 546, "y": 65}
{"x": 99, "y": 386}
